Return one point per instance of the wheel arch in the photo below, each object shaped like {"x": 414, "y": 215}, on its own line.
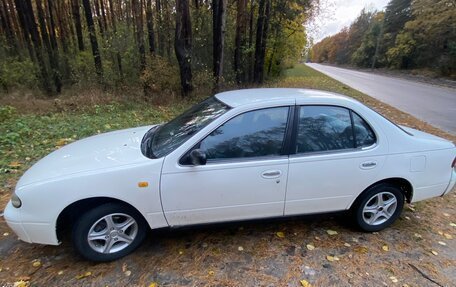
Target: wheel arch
{"x": 403, "y": 184}
{"x": 69, "y": 214}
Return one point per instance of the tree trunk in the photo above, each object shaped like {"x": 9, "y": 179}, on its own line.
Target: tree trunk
{"x": 183, "y": 45}
{"x": 150, "y": 27}
{"x": 25, "y": 29}
{"x": 114, "y": 28}
{"x": 261, "y": 38}
{"x": 137, "y": 12}
{"x": 239, "y": 66}
{"x": 93, "y": 39}
{"x": 8, "y": 26}
{"x": 160, "y": 34}
{"x": 29, "y": 17}
{"x": 77, "y": 23}
{"x": 218, "y": 36}
{"x": 168, "y": 29}
{"x": 251, "y": 51}
{"x": 99, "y": 19}
{"x": 53, "y": 55}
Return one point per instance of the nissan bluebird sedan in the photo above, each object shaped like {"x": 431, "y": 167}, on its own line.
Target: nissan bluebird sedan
{"x": 238, "y": 155}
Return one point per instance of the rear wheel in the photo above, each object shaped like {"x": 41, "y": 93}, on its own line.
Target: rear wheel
{"x": 108, "y": 232}
{"x": 378, "y": 207}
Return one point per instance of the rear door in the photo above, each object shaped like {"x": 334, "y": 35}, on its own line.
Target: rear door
{"x": 335, "y": 156}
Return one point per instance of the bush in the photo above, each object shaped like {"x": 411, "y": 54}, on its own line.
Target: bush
{"x": 15, "y": 72}
{"x": 160, "y": 77}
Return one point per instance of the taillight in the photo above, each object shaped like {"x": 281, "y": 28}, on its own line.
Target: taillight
{"x": 454, "y": 163}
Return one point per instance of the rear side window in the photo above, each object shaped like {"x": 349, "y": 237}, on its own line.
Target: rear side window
{"x": 364, "y": 135}
{"x": 324, "y": 128}
{"x": 330, "y": 128}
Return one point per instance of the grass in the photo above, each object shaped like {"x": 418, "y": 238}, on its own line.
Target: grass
{"x": 27, "y": 137}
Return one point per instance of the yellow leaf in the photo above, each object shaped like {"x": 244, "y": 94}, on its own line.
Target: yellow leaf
{"x": 310, "y": 246}
{"x": 331, "y": 232}
{"x": 21, "y": 283}
{"x": 87, "y": 274}
{"x": 211, "y": 273}
{"x": 347, "y": 244}
{"x": 332, "y": 258}
{"x": 61, "y": 142}
{"x": 434, "y": 252}
{"x": 36, "y": 263}
{"x": 442, "y": 243}
{"x": 418, "y": 235}
{"x": 448, "y": 236}
{"x": 361, "y": 249}
{"x": 240, "y": 248}
{"x": 446, "y": 214}
{"x": 394, "y": 279}
{"x": 305, "y": 283}
{"x": 385, "y": 247}
{"x": 5, "y": 234}
{"x": 453, "y": 224}
{"x": 280, "y": 234}
{"x": 127, "y": 273}
{"x": 14, "y": 164}
{"x": 153, "y": 284}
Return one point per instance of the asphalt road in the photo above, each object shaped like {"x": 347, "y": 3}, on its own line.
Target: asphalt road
{"x": 433, "y": 104}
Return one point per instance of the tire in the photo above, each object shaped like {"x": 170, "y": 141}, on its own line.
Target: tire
{"x": 378, "y": 207}
{"x": 116, "y": 230}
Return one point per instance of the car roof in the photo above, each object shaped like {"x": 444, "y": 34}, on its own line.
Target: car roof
{"x": 250, "y": 96}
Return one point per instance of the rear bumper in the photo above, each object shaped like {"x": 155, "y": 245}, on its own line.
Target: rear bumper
{"x": 452, "y": 182}
{"x": 31, "y": 232}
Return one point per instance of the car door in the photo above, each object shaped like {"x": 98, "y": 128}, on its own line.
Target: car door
{"x": 336, "y": 156}
{"x": 244, "y": 177}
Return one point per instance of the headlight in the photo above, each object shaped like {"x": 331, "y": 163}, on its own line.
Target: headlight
{"x": 16, "y": 201}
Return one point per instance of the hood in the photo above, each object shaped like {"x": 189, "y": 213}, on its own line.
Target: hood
{"x": 97, "y": 152}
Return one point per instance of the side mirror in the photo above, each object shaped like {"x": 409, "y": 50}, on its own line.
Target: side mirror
{"x": 198, "y": 157}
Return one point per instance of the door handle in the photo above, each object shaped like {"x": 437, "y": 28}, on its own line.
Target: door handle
{"x": 271, "y": 174}
{"x": 368, "y": 165}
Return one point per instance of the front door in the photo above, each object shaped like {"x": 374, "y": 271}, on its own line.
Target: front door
{"x": 244, "y": 177}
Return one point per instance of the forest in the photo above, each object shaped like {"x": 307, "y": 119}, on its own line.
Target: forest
{"x": 176, "y": 46}
{"x": 409, "y": 34}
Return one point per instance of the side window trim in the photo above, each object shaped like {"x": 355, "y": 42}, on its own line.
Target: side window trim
{"x": 284, "y": 148}
{"x": 294, "y": 154}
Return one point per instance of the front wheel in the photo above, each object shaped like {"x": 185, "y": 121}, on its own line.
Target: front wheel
{"x": 108, "y": 232}
{"x": 378, "y": 207}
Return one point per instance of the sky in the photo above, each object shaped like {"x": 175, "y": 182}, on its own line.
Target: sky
{"x": 337, "y": 14}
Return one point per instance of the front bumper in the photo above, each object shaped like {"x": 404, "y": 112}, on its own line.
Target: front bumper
{"x": 31, "y": 232}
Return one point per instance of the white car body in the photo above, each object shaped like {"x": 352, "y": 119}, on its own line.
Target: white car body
{"x": 111, "y": 165}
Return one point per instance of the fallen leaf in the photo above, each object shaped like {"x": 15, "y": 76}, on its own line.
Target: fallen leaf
{"x": 446, "y": 214}
{"x": 21, "y": 283}
{"x": 417, "y": 235}
{"x": 5, "y": 234}
{"x": 434, "y": 252}
{"x": 448, "y": 236}
{"x": 36, "y": 263}
{"x": 385, "y": 247}
{"x": 305, "y": 283}
{"x": 153, "y": 284}
{"x": 408, "y": 218}
{"x": 310, "y": 246}
{"x": 347, "y": 244}
{"x": 440, "y": 233}
{"x": 14, "y": 164}
{"x": 80, "y": 276}
{"x": 331, "y": 232}
{"x": 127, "y": 273}
{"x": 394, "y": 279}
{"x": 181, "y": 251}
{"x": 280, "y": 234}
{"x": 442, "y": 243}
{"x": 240, "y": 248}
{"x": 211, "y": 273}
{"x": 361, "y": 249}
{"x": 453, "y": 224}
{"x": 332, "y": 258}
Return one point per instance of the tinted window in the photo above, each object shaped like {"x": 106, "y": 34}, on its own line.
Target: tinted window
{"x": 171, "y": 135}
{"x": 252, "y": 134}
{"x": 324, "y": 128}
{"x": 364, "y": 135}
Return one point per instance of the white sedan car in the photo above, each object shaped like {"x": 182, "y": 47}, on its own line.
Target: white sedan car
{"x": 239, "y": 155}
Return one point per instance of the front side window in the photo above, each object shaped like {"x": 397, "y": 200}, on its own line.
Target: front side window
{"x": 174, "y": 133}
{"x": 324, "y": 128}
{"x": 252, "y": 134}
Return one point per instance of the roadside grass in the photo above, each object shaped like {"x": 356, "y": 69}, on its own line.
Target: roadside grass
{"x": 27, "y": 137}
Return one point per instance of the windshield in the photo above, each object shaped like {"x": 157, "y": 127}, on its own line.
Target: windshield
{"x": 171, "y": 135}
